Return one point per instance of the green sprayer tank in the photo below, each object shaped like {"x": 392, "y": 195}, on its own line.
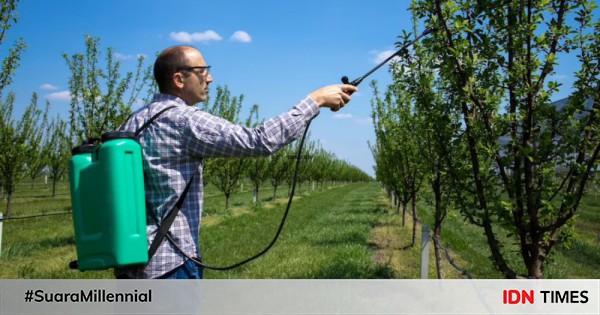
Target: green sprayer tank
{"x": 107, "y": 196}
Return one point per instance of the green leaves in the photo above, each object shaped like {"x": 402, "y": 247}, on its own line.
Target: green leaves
{"x": 16, "y": 141}
{"x": 98, "y": 91}
{"x": 8, "y": 16}
{"x": 519, "y": 158}
{"x": 58, "y": 149}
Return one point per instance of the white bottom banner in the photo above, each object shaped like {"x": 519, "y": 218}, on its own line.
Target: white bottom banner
{"x": 299, "y": 297}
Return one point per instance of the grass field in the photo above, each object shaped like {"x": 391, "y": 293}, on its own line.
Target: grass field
{"x": 343, "y": 232}
{"x": 580, "y": 258}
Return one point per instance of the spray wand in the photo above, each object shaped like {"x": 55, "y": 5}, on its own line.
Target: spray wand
{"x": 356, "y": 82}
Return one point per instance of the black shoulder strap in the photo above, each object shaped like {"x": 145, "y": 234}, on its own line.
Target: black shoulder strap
{"x": 165, "y": 225}
{"x": 153, "y": 118}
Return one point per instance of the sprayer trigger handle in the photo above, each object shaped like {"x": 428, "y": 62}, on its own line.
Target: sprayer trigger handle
{"x": 346, "y": 81}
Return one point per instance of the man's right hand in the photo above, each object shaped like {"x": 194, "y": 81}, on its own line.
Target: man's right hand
{"x": 333, "y": 96}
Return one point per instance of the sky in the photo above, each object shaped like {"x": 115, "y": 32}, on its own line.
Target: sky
{"x": 273, "y": 52}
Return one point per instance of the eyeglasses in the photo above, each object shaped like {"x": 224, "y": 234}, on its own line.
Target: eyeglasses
{"x": 206, "y": 68}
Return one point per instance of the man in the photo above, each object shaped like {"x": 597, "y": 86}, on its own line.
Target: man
{"x": 176, "y": 143}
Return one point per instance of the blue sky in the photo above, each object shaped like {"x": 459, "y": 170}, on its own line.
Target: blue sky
{"x": 273, "y": 52}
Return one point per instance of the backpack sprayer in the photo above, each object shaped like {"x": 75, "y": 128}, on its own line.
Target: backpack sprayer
{"x": 108, "y": 198}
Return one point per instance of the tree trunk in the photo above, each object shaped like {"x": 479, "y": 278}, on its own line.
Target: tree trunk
{"x": 535, "y": 268}
{"x": 8, "y": 205}
{"x": 274, "y": 191}
{"x": 495, "y": 249}
{"x": 438, "y": 252}
{"x": 54, "y": 179}
{"x": 255, "y": 195}
{"x": 227, "y": 201}
{"x": 403, "y": 213}
{"x": 440, "y": 215}
{"x": 415, "y": 219}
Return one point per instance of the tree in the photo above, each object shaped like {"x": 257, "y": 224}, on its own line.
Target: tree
{"x": 225, "y": 173}
{"x": 305, "y": 164}
{"x": 98, "y": 95}
{"x": 58, "y": 150}
{"x": 257, "y": 174}
{"x": 10, "y": 63}
{"x": 278, "y": 167}
{"x": 321, "y": 163}
{"x": 399, "y": 143}
{"x": 38, "y": 152}
{"x": 15, "y": 140}
{"x": 440, "y": 129}
{"x": 498, "y": 58}
{"x": 257, "y": 166}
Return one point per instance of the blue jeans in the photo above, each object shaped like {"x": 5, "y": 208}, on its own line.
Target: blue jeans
{"x": 189, "y": 270}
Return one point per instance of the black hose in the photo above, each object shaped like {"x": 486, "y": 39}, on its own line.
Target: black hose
{"x": 199, "y": 261}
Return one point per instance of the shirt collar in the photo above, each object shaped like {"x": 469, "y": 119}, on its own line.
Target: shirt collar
{"x": 167, "y": 97}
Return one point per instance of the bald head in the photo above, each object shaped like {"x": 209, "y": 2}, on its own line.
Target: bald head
{"x": 168, "y": 62}
{"x": 181, "y": 71}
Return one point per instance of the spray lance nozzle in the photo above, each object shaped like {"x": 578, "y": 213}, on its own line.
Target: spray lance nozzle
{"x": 357, "y": 81}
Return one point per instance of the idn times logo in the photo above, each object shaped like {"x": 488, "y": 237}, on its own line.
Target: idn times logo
{"x": 547, "y": 296}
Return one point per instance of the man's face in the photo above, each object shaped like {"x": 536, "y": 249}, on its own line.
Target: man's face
{"x": 195, "y": 79}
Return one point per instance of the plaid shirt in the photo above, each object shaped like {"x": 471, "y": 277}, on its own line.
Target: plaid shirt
{"x": 174, "y": 147}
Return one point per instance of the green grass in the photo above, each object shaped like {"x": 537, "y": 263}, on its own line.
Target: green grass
{"x": 43, "y": 247}
{"x": 580, "y": 259}
{"x": 38, "y": 200}
{"x": 332, "y": 233}
{"x": 325, "y": 237}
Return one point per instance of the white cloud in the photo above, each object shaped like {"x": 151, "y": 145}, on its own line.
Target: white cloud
{"x": 380, "y": 56}
{"x": 203, "y": 37}
{"x": 122, "y": 56}
{"x": 59, "y": 96}
{"x": 342, "y": 116}
{"x": 128, "y": 56}
{"x": 183, "y": 37}
{"x": 48, "y": 87}
{"x": 241, "y": 36}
